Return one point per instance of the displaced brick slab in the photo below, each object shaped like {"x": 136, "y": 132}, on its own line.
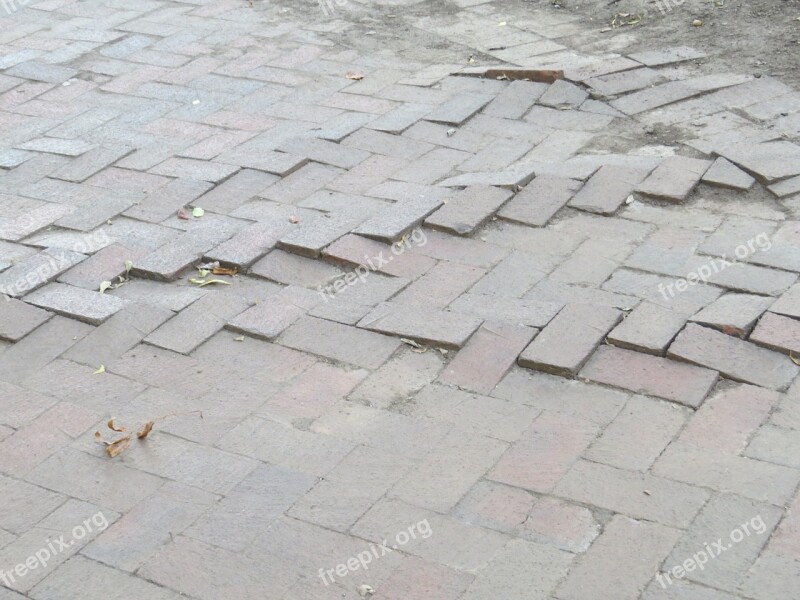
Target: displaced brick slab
{"x": 734, "y": 358}
{"x": 650, "y": 375}
{"x": 607, "y": 189}
{"x": 18, "y": 319}
{"x": 468, "y": 209}
{"x": 675, "y": 178}
{"x": 439, "y": 327}
{"x": 777, "y": 333}
{"x": 91, "y": 307}
{"x": 568, "y": 340}
{"x": 540, "y": 200}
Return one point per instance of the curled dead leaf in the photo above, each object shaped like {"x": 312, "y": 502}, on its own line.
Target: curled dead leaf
{"x": 731, "y": 330}
{"x": 145, "y": 431}
{"x": 354, "y": 76}
{"x": 104, "y": 286}
{"x": 101, "y": 369}
{"x": 113, "y": 427}
{"x": 224, "y": 271}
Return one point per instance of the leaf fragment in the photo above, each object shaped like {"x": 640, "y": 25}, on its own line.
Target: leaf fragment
{"x": 101, "y": 369}
{"x": 224, "y": 271}
{"x": 104, "y": 286}
{"x": 118, "y": 447}
{"x": 113, "y": 427}
{"x": 145, "y": 431}
{"x": 205, "y": 282}
{"x": 128, "y": 266}
{"x": 354, "y": 76}
{"x": 198, "y": 212}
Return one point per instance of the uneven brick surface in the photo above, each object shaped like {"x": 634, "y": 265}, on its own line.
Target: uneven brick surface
{"x": 501, "y": 322}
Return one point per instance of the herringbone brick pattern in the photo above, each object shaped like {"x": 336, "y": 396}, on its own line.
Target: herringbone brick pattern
{"x": 360, "y": 289}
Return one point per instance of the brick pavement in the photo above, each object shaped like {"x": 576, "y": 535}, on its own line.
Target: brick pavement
{"x": 490, "y": 305}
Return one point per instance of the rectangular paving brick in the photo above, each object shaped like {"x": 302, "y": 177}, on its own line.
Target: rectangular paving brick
{"x": 36, "y": 270}
{"x": 291, "y": 269}
{"x": 675, "y": 178}
{"x": 431, "y": 167}
{"x": 545, "y": 452}
{"x": 668, "y": 502}
{"x": 531, "y": 312}
{"x": 648, "y": 328}
{"x": 439, "y": 327}
{"x": 724, "y": 173}
{"x": 89, "y": 306}
{"x": 195, "y": 169}
{"x": 734, "y": 314}
{"x": 468, "y": 209}
{"x": 718, "y": 520}
{"x": 789, "y": 303}
{"x": 486, "y": 358}
{"x": 514, "y": 101}
{"x": 391, "y": 223}
{"x": 621, "y": 562}
{"x": 311, "y": 236}
{"x": 646, "y": 424}
{"x": 269, "y": 318}
{"x": 325, "y": 152}
{"x": 651, "y": 375}
{"x": 93, "y": 161}
{"x": 163, "y": 202}
{"x": 460, "y": 108}
{"x": 195, "y": 324}
{"x": 366, "y": 175}
{"x": 569, "y": 339}
{"x": 386, "y": 144}
{"x": 105, "y": 265}
{"x": 339, "y": 342}
{"x": 607, "y": 189}
{"x": 777, "y": 333}
{"x": 768, "y": 162}
{"x": 18, "y": 319}
{"x": 244, "y": 248}
{"x": 540, "y": 200}
{"x": 169, "y": 261}
{"x": 654, "y": 97}
{"x": 440, "y": 286}
{"x": 734, "y": 358}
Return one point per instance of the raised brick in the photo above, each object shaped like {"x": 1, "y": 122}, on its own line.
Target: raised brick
{"x": 468, "y": 209}
{"x": 734, "y": 358}
{"x": 539, "y": 200}
{"x": 84, "y": 305}
{"x": 459, "y": 109}
{"x": 648, "y": 328}
{"x": 424, "y": 324}
{"x": 357, "y": 250}
{"x": 391, "y": 223}
{"x": 654, "y": 97}
{"x": 290, "y": 269}
{"x": 675, "y": 178}
{"x": 105, "y": 265}
{"x": 657, "y": 58}
{"x": 268, "y": 319}
{"x": 768, "y": 161}
{"x": 777, "y": 333}
{"x": 513, "y": 311}
{"x": 562, "y": 93}
{"x": 36, "y": 270}
{"x": 486, "y": 358}
{"x": 566, "y": 343}
{"x": 724, "y": 173}
{"x": 650, "y": 375}
{"x": 607, "y": 189}
{"x": 168, "y": 262}
{"x": 789, "y": 303}
{"x": 312, "y": 235}
{"x": 90, "y": 163}
{"x": 244, "y": 248}
{"x": 734, "y": 314}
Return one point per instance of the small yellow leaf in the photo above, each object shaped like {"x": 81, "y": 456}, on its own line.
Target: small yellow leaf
{"x": 239, "y": 339}
{"x": 104, "y": 286}
{"x": 128, "y": 266}
{"x": 101, "y": 369}
{"x": 212, "y": 281}
{"x": 198, "y": 212}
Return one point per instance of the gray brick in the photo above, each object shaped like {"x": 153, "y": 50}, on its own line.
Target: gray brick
{"x": 512, "y": 178}
{"x": 391, "y": 223}
{"x": 607, "y": 189}
{"x": 339, "y": 342}
{"x": 195, "y": 324}
{"x": 423, "y": 324}
{"x": 620, "y": 563}
{"x": 496, "y": 156}
{"x": 245, "y": 248}
{"x": 431, "y": 167}
{"x": 769, "y": 161}
{"x": 723, "y": 515}
{"x": 78, "y": 303}
{"x": 724, "y": 173}
{"x": 627, "y": 81}
{"x": 789, "y": 303}
{"x": 401, "y": 118}
{"x": 323, "y": 151}
{"x": 529, "y": 312}
{"x": 268, "y": 319}
{"x": 654, "y": 97}
{"x": 18, "y": 319}
{"x": 734, "y": 314}
{"x": 312, "y": 235}
{"x": 290, "y": 269}
{"x": 200, "y": 170}
{"x": 649, "y": 328}
{"x": 74, "y": 147}
{"x": 90, "y": 163}
{"x": 540, "y": 200}
{"x": 777, "y": 333}
{"x": 161, "y": 203}
{"x": 460, "y": 108}
{"x": 675, "y": 178}
{"x": 34, "y": 271}
{"x": 657, "y": 58}
{"x": 105, "y": 265}
{"x": 468, "y": 209}
{"x": 734, "y": 358}
{"x": 566, "y": 343}
{"x": 515, "y": 100}
{"x": 563, "y": 94}
{"x": 168, "y": 262}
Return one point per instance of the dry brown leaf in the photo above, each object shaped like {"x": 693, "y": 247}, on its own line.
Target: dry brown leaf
{"x": 731, "y": 330}
{"x": 224, "y": 271}
{"x": 99, "y": 438}
{"x": 354, "y": 76}
{"x": 148, "y": 427}
{"x": 113, "y": 427}
{"x": 118, "y": 447}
